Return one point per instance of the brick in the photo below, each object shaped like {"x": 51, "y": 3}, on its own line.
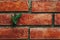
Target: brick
{"x": 12, "y": 39}
{"x": 5, "y": 19}
{"x": 17, "y": 5}
{"x": 35, "y": 19}
{"x": 43, "y": 6}
{"x": 44, "y": 33}
{"x": 9, "y": 39}
{"x": 44, "y": 39}
{"x": 58, "y": 6}
{"x": 46, "y": 0}
{"x": 57, "y": 19}
{"x": 13, "y": 33}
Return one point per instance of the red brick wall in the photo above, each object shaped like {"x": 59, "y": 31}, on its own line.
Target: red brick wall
{"x": 40, "y": 19}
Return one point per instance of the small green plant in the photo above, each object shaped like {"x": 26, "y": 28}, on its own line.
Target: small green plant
{"x": 15, "y": 18}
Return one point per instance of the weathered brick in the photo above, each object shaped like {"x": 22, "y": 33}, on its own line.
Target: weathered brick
{"x": 57, "y": 19}
{"x": 58, "y": 6}
{"x": 45, "y": 33}
{"x": 15, "y": 5}
{"x": 13, "y": 33}
{"x": 43, "y": 6}
{"x": 5, "y": 19}
{"x": 35, "y": 19}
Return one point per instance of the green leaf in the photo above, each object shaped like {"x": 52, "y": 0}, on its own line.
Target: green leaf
{"x": 18, "y": 16}
{"x": 15, "y": 18}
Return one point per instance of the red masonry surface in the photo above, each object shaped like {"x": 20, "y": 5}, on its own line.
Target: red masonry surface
{"x": 14, "y": 6}
{"x": 46, "y": 0}
{"x": 58, "y": 6}
{"x": 57, "y": 19}
{"x": 29, "y": 18}
{"x": 44, "y": 39}
{"x": 13, "y": 33}
{"x": 5, "y": 19}
{"x": 35, "y": 19}
{"x": 43, "y": 6}
{"x": 39, "y": 33}
{"x": 13, "y": 39}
